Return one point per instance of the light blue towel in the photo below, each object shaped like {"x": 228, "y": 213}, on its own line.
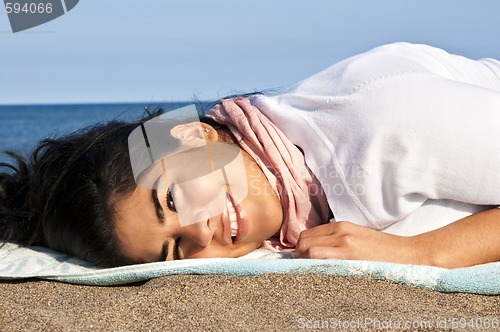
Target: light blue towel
{"x": 19, "y": 262}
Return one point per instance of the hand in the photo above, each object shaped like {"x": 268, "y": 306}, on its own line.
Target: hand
{"x": 345, "y": 240}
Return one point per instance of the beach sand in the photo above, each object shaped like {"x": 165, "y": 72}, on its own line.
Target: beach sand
{"x": 226, "y": 303}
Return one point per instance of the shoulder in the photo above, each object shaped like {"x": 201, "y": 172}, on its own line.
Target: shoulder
{"x": 384, "y": 61}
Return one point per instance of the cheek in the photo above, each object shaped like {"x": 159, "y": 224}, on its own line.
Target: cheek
{"x": 200, "y": 199}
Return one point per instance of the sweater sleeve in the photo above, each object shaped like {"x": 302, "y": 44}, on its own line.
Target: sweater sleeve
{"x": 429, "y": 129}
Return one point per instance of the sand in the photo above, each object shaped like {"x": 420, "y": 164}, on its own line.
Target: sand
{"x": 225, "y": 303}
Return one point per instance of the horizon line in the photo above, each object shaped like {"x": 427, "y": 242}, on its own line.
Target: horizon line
{"x": 106, "y": 103}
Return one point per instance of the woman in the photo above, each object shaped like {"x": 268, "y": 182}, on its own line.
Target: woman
{"x": 397, "y": 147}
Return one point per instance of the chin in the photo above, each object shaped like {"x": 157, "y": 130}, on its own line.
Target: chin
{"x": 264, "y": 223}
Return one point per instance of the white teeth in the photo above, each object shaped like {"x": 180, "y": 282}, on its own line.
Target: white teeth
{"x": 231, "y": 211}
{"x": 234, "y": 228}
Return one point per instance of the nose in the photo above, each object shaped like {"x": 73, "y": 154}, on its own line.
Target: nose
{"x": 199, "y": 232}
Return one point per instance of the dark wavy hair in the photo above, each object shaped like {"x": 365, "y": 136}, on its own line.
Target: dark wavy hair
{"x": 63, "y": 195}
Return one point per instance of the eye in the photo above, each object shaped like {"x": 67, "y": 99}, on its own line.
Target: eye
{"x": 176, "y": 249}
{"x": 165, "y": 253}
{"x": 170, "y": 199}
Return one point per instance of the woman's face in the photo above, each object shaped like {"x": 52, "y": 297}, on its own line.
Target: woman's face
{"x": 151, "y": 224}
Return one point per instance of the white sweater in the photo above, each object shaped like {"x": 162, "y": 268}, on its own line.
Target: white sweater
{"x": 404, "y": 138}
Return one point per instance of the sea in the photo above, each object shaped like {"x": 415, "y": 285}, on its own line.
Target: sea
{"x": 23, "y": 126}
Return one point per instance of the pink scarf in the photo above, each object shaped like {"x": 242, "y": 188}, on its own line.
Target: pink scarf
{"x": 304, "y": 206}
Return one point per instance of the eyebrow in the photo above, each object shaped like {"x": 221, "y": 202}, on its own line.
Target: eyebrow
{"x": 161, "y": 217}
{"x": 156, "y": 202}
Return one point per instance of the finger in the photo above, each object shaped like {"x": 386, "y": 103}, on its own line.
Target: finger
{"x": 336, "y": 227}
{"x": 305, "y": 244}
{"x": 320, "y": 252}
{"x": 321, "y": 230}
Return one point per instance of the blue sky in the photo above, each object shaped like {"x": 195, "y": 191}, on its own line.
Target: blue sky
{"x": 170, "y": 50}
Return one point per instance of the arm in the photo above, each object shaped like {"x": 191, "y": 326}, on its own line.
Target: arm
{"x": 469, "y": 241}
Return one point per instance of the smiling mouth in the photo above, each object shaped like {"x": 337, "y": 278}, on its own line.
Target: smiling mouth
{"x": 233, "y": 217}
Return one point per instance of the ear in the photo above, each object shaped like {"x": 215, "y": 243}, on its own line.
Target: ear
{"x": 194, "y": 133}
